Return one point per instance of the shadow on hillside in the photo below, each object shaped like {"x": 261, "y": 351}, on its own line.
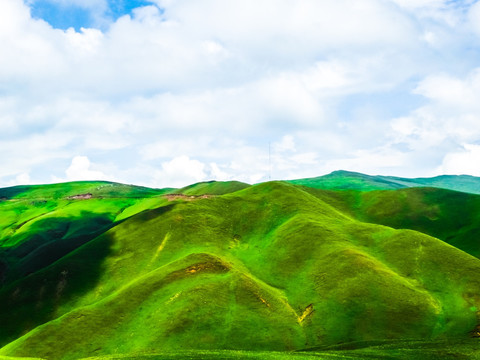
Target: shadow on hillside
{"x": 38, "y": 298}
{"x": 150, "y": 214}
{"x": 48, "y": 241}
{"x": 11, "y": 192}
{"x": 64, "y": 265}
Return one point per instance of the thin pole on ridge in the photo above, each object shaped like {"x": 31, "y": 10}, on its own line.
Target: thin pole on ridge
{"x": 269, "y": 163}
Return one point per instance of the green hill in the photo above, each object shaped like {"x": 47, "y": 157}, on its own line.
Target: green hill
{"x": 451, "y": 216}
{"x": 268, "y": 267}
{"x": 347, "y": 180}
{"x": 40, "y": 224}
{"x": 98, "y": 189}
{"x": 213, "y": 188}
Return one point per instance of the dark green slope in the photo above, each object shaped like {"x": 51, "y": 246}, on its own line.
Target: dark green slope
{"x": 40, "y": 224}
{"x": 348, "y": 180}
{"x": 451, "y": 216}
{"x": 269, "y": 267}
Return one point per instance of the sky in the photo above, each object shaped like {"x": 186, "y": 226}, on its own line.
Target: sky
{"x": 165, "y": 93}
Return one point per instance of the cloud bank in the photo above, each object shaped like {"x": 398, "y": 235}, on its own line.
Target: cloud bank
{"x": 182, "y": 91}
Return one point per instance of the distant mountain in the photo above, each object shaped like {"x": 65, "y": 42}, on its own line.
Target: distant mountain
{"x": 347, "y": 180}
{"x": 96, "y": 269}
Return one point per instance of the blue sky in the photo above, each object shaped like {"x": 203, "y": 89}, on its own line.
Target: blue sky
{"x": 171, "y": 92}
{"x": 86, "y": 14}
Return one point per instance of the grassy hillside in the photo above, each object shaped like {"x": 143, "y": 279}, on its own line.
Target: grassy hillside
{"x": 97, "y": 189}
{"x": 40, "y": 224}
{"x": 404, "y": 349}
{"x": 270, "y": 267}
{"x": 347, "y": 180}
{"x": 451, "y": 216}
{"x": 465, "y": 183}
{"x": 213, "y": 188}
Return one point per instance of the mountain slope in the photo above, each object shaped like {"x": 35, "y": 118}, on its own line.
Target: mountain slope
{"x": 273, "y": 266}
{"x": 40, "y": 224}
{"x": 348, "y": 180}
{"x": 450, "y": 216}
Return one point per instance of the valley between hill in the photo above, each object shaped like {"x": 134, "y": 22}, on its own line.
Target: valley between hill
{"x": 346, "y": 265}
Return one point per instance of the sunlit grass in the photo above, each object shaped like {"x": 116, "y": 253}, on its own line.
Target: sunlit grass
{"x": 268, "y": 268}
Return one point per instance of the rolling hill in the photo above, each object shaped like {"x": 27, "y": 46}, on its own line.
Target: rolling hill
{"x": 229, "y": 270}
{"x": 348, "y": 180}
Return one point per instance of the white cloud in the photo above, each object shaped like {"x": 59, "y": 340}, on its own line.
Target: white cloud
{"x": 33, "y": 151}
{"x": 83, "y": 44}
{"x": 452, "y": 114}
{"x": 328, "y": 75}
{"x": 23, "y": 178}
{"x": 373, "y": 161}
{"x": 80, "y": 169}
{"x": 180, "y": 171}
{"x": 295, "y": 23}
{"x": 327, "y": 83}
{"x": 215, "y": 51}
{"x": 287, "y": 143}
{"x": 151, "y": 50}
{"x": 415, "y": 4}
{"x": 29, "y": 51}
{"x": 449, "y": 120}
{"x": 450, "y": 13}
{"x": 217, "y": 174}
{"x": 450, "y": 90}
{"x": 466, "y": 161}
